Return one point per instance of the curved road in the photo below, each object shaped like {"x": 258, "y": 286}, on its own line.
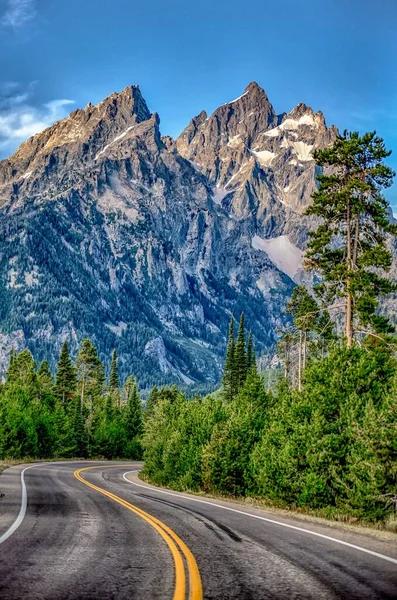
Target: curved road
{"x": 91, "y": 530}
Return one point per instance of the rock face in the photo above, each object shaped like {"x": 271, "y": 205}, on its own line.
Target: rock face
{"x": 149, "y": 244}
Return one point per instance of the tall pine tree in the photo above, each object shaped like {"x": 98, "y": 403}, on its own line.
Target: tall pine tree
{"x": 229, "y": 382}
{"x": 65, "y": 379}
{"x": 90, "y": 375}
{"x": 349, "y": 246}
{"x": 114, "y": 375}
{"x": 133, "y": 412}
{"x": 251, "y": 356}
{"x": 240, "y": 355}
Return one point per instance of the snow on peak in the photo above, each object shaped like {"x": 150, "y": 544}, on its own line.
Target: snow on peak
{"x": 282, "y": 252}
{"x": 290, "y": 124}
{"x": 116, "y": 139}
{"x": 302, "y": 150}
{"x": 235, "y": 100}
{"x": 265, "y": 157}
{"x": 307, "y": 119}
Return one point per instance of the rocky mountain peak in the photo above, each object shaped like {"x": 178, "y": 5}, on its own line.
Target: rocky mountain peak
{"x": 147, "y": 244}
{"x": 79, "y": 138}
{"x": 229, "y": 130}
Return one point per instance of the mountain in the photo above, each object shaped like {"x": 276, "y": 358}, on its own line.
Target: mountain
{"x": 148, "y": 244}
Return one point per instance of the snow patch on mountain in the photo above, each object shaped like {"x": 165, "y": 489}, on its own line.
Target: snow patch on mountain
{"x": 303, "y": 150}
{"x": 265, "y": 157}
{"x": 289, "y": 123}
{"x": 219, "y": 194}
{"x": 282, "y": 252}
{"x": 235, "y": 100}
{"x": 116, "y": 139}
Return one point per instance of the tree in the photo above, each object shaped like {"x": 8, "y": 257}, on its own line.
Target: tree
{"x": 349, "y": 246}
{"x": 90, "y": 375}
{"x": 251, "y": 357}
{"x": 240, "y": 356}
{"x": 151, "y": 401}
{"x": 44, "y": 377}
{"x": 65, "y": 379}
{"x": 114, "y": 376}
{"x": 22, "y": 370}
{"x": 133, "y": 423}
{"x": 306, "y": 313}
{"x": 229, "y": 382}
{"x": 133, "y": 413}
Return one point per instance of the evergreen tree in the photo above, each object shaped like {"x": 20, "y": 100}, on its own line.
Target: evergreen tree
{"x": 90, "y": 375}
{"x": 240, "y": 356}
{"x": 110, "y": 409}
{"x": 133, "y": 413}
{"x": 151, "y": 401}
{"x": 45, "y": 376}
{"x": 229, "y": 382}
{"x": 251, "y": 357}
{"x": 65, "y": 379}
{"x": 305, "y": 311}
{"x": 349, "y": 247}
{"x": 22, "y": 369}
{"x": 114, "y": 376}
{"x": 79, "y": 430}
{"x": 133, "y": 424}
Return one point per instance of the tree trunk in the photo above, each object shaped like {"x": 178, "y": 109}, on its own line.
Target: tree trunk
{"x": 304, "y": 350}
{"x": 300, "y": 362}
{"x": 82, "y": 396}
{"x": 349, "y": 299}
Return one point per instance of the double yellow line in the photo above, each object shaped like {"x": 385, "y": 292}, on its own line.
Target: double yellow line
{"x": 178, "y": 548}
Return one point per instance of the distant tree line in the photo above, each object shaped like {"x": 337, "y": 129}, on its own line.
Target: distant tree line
{"x": 76, "y": 414}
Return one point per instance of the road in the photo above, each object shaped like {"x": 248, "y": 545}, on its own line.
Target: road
{"x": 93, "y": 530}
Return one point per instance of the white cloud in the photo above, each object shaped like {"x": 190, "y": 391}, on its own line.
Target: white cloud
{"x": 18, "y": 13}
{"x": 20, "y": 118}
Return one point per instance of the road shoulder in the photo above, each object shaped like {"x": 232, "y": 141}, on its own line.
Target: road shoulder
{"x": 374, "y": 540}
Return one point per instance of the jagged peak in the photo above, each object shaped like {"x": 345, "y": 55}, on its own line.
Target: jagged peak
{"x": 96, "y": 124}
{"x": 253, "y": 86}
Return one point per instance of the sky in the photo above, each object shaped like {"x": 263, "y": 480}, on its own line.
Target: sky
{"x": 338, "y": 56}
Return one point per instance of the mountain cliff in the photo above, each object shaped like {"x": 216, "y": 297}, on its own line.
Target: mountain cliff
{"x": 149, "y": 244}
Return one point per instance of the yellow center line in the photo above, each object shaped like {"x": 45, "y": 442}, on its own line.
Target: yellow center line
{"x": 174, "y": 542}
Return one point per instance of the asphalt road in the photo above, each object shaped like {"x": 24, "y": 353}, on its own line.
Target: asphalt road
{"x": 93, "y": 533}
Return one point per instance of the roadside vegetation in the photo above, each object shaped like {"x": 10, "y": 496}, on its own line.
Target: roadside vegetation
{"x": 322, "y": 437}
{"x": 78, "y": 414}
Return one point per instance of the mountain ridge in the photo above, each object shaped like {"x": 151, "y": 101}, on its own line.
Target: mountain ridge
{"x": 149, "y": 244}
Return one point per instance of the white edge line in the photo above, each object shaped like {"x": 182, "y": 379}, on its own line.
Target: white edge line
{"x": 22, "y": 510}
{"x": 229, "y": 508}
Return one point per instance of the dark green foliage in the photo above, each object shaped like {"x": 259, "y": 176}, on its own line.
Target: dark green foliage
{"x": 240, "y": 355}
{"x": 65, "y": 380}
{"x": 44, "y": 376}
{"x": 114, "y": 382}
{"x": 349, "y": 247}
{"x": 251, "y": 356}
{"x": 331, "y": 447}
{"x": 40, "y": 419}
{"x": 239, "y": 360}
{"x": 132, "y": 417}
{"x": 229, "y": 376}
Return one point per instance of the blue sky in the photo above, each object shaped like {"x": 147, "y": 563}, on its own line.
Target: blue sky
{"x": 338, "y": 56}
